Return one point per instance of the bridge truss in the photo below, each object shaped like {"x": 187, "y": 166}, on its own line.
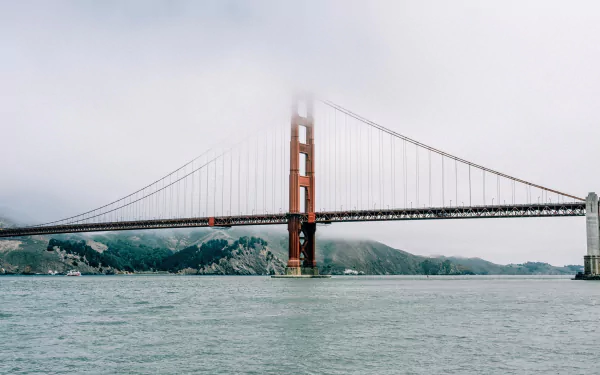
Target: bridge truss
{"x": 439, "y": 213}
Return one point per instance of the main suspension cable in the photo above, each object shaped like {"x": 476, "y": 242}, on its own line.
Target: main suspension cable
{"x": 440, "y": 152}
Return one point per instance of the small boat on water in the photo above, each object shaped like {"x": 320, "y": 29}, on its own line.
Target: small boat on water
{"x": 74, "y": 273}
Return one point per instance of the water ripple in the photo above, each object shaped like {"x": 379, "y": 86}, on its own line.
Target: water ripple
{"x": 255, "y": 325}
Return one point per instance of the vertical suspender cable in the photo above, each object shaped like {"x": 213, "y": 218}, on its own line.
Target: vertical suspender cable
{"x": 393, "y": 168}
{"x": 470, "y": 202}
{"x": 215, "y": 188}
{"x": 499, "y": 196}
{"x": 417, "y": 180}
{"x": 335, "y": 161}
{"x": 329, "y": 175}
{"x": 283, "y": 168}
{"x": 498, "y": 187}
{"x": 369, "y": 169}
{"x": 429, "y": 157}
{"x": 230, "y": 183}
{"x": 350, "y": 165}
{"x": 513, "y": 193}
{"x": 265, "y": 176}
{"x": 273, "y": 170}
{"x": 207, "y": 188}
{"x": 239, "y": 201}
{"x": 483, "y": 188}
{"x": 256, "y": 178}
{"x": 346, "y": 163}
{"x": 404, "y": 166}
{"x": 443, "y": 184}
{"x": 223, "y": 185}
{"x": 381, "y": 169}
{"x": 359, "y": 168}
{"x": 247, "y": 192}
{"x": 456, "y": 181}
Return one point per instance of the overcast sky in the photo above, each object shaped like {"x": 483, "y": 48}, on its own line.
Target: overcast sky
{"x": 98, "y": 98}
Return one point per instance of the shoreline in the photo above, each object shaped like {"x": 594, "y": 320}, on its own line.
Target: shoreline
{"x": 416, "y": 277}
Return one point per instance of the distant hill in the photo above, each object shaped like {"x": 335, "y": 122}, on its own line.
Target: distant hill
{"x": 236, "y": 251}
{"x": 483, "y": 267}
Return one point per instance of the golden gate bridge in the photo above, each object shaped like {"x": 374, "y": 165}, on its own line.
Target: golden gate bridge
{"x": 331, "y": 165}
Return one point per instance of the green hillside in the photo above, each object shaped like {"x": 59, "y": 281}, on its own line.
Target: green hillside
{"x": 243, "y": 251}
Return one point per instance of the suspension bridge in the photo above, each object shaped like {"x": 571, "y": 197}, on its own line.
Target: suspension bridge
{"x": 331, "y": 165}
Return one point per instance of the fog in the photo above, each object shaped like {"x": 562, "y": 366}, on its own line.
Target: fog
{"x": 100, "y": 98}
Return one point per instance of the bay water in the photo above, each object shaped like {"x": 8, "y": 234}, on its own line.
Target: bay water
{"x": 258, "y": 325}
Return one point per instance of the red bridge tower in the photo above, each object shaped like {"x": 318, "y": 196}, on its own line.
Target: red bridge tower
{"x": 301, "y": 231}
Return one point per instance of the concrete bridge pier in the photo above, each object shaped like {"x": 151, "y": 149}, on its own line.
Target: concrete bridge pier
{"x": 591, "y": 261}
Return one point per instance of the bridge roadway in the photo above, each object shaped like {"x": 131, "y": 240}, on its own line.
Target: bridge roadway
{"x": 461, "y": 212}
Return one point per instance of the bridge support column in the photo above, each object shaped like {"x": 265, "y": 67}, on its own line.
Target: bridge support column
{"x": 293, "y": 265}
{"x": 591, "y": 261}
{"x": 301, "y": 220}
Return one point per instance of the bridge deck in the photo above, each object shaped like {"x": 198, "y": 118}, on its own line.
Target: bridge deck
{"x": 473, "y": 212}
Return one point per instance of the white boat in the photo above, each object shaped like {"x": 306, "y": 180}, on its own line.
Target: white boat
{"x": 74, "y": 273}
